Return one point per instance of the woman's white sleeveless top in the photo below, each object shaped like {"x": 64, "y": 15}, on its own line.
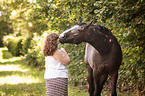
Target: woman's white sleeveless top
{"x": 54, "y": 69}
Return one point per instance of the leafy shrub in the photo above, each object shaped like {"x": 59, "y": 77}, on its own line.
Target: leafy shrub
{"x": 14, "y": 45}
{"x": 17, "y": 45}
{"x": 6, "y": 40}
{"x": 26, "y": 44}
{"x": 132, "y": 73}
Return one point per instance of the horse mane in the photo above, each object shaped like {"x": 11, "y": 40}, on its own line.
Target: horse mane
{"x": 102, "y": 29}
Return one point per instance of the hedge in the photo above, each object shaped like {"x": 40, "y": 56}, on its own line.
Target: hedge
{"x": 14, "y": 46}
{"x": 17, "y": 45}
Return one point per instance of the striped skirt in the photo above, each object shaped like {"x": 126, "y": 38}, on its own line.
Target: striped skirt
{"x": 57, "y": 87}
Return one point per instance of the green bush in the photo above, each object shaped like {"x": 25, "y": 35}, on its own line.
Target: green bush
{"x": 17, "y": 45}
{"x": 34, "y": 55}
{"x": 6, "y": 40}
{"x": 14, "y": 45}
{"x": 26, "y": 44}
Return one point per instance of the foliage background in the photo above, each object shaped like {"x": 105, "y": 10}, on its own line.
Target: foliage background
{"x": 34, "y": 19}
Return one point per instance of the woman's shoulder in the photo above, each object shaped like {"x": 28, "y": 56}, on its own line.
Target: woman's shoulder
{"x": 51, "y": 59}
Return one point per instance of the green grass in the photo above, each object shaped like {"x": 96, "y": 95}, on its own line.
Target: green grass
{"x": 74, "y": 91}
{"x": 19, "y": 79}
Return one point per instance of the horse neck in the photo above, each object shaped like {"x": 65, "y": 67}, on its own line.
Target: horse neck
{"x": 103, "y": 47}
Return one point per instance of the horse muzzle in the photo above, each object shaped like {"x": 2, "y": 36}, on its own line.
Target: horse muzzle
{"x": 61, "y": 41}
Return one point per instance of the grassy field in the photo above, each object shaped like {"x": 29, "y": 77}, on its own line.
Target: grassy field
{"x": 18, "y": 79}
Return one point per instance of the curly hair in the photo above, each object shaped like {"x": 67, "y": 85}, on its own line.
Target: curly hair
{"x": 50, "y": 44}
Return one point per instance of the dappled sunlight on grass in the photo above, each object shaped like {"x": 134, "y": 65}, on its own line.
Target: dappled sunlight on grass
{"x": 19, "y": 79}
{"x": 12, "y": 68}
{"x": 11, "y": 59}
{"x": 13, "y": 65}
{"x": 16, "y": 79}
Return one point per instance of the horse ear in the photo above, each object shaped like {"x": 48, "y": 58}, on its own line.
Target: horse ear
{"x": 87, "y": 25}
{"x": 79, "y": 20}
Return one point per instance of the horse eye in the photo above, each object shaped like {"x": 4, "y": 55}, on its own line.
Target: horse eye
{"x": 81, "y": 29}
{"x": 76, "y": 34}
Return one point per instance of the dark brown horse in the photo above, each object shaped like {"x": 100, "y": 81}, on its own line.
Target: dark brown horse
{"x": 103, "y": 54}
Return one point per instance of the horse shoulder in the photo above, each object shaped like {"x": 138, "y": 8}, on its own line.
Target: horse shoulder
{"x": 86, "y": 54}
{"x": 92, "y": 56}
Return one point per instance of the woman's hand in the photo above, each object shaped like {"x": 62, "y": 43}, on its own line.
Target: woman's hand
{"x": 63, "y": 50}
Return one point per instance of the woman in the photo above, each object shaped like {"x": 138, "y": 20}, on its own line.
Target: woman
{"x": 56, "y": 72}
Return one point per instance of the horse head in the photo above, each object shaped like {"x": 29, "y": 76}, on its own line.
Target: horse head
{"x": 75, "y": 34}
{"x": 98, "y": 36}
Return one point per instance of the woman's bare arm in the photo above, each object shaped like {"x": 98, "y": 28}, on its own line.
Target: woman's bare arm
{"x": 63, "y": 58}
